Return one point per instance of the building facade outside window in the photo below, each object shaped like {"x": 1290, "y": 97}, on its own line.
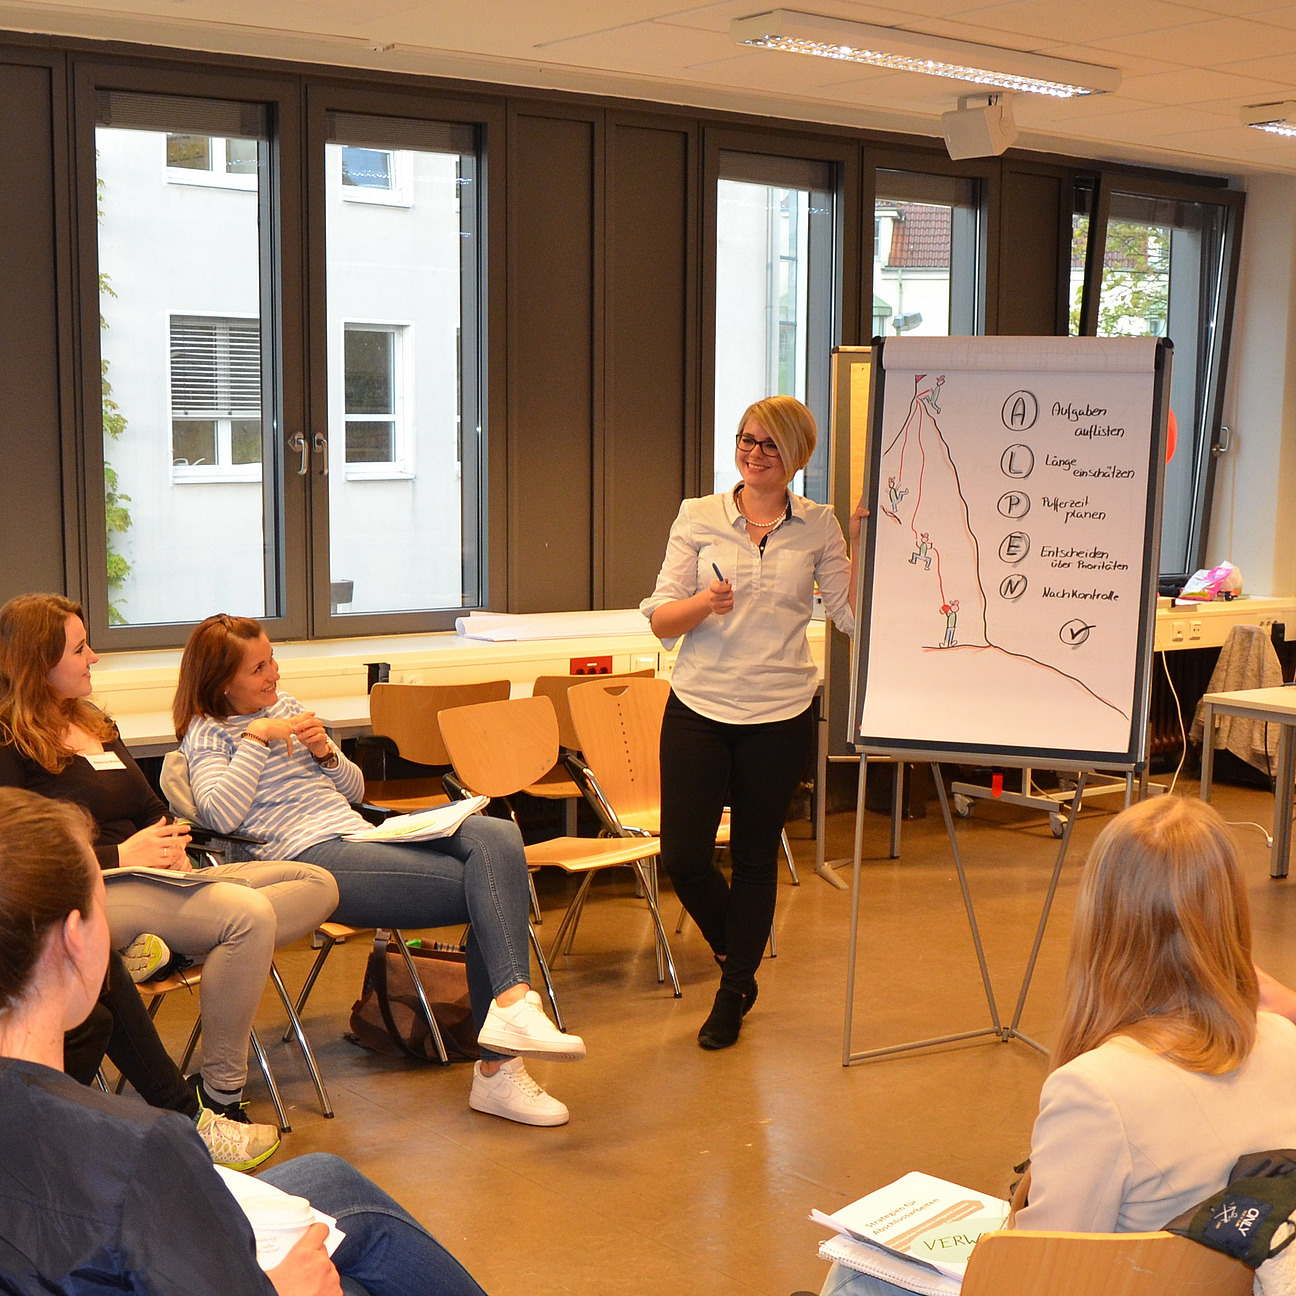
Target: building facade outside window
{"x": 215, "y": 399}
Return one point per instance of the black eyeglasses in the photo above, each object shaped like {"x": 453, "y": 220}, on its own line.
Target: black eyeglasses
{"x": 749, "y": 443}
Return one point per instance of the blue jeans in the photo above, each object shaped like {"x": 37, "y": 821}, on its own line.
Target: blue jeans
{"x": 842, "y": 1281}
{"x": 478, "y": 876}
{"x": 386, "y": 1251}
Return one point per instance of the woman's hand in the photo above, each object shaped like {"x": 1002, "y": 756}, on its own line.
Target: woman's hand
{"x": 160, "y": 846}
{"x": 309, "y": 730}
{"x": 720, "y": 598}
{"x": 275, "y": 729}
{"x": 856, "y": 524}
{"x": 307, "y": 1270}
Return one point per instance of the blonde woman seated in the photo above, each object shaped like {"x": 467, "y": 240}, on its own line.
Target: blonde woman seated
{"x": 260, "y": 762}
{"x": 1164, "y": 1073}
{"x": 55, "y": 743}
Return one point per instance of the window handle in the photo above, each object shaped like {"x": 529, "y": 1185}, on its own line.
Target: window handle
{"x": 298, "y": 442}
{"x": 1225, "y": 443}
{"x": 321, "y": 448}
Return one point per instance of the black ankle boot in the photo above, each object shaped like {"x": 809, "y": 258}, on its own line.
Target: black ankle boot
{"x": 721, "y": 1028}
{"x": 749, "y": 994}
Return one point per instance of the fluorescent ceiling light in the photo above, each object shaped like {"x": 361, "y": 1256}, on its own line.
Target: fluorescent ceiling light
{"x": 1276, "y": 118}
{"x": 905, "y": 51}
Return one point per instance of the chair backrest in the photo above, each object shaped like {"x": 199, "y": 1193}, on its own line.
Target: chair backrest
{"x": 618, "y": 728}
{"x": 498, "y": 748}
{"x": 407, "y": 714}
{"x": 174, "y": 782}
{"x": 555, "y": 688}
{"x": 1013, "y": 1263}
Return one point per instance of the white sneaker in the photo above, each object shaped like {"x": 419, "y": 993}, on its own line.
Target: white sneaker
{"x": 233, "y": 1144}
{"x": 523, "y": 1030}
{"x": 511, "y": 1093}
{"x": 144, "y": 956}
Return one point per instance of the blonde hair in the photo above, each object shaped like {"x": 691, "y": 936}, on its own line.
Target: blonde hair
{"x": 33, "y": 639}
{"x": 1161, "y": 947}
{"x": 789, "y": 425}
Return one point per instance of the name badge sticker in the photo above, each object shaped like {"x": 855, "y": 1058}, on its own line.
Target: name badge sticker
{"x": 104, "y": 760}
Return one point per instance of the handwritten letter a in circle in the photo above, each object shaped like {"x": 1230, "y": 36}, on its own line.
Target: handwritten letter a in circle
{"x": 1020, "y": 411}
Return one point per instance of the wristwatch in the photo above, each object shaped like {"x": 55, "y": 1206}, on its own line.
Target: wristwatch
{"x": 328, "y": 762}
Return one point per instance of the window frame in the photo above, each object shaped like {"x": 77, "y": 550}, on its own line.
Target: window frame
{"x": 217, "y": 177}
{"x": 283, "y": 378}
{"x": 401, "y": 194}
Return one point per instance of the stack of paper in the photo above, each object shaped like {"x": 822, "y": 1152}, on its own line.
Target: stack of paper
{"x": 423, "y": 825}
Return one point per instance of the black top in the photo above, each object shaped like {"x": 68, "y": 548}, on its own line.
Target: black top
{"x": 120, "y": 800}
{"x": 102, "y": 1194}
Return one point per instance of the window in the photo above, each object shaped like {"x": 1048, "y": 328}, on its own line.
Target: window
{"x": 774, "y": 297}
{"x": 372, "y": 358}
{"x": 1162, "y": 273}
{"x": 373, "y": 175}
{"x": 926, "y": 255}
{"x": 401, "y": 319}
{"x": 211, "y": 160}
{"x": 215, "y": 399}
{"x": 184, "y": 392}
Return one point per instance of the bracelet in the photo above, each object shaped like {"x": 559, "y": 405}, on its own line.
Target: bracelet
{"x": 256, "y": 738}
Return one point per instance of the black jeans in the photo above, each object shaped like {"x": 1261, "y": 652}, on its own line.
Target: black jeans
{"x": 754, "y": 769}
{"x": 120, "y": 1025}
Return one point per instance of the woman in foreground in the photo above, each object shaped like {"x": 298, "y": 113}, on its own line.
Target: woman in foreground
{"x": 737, "y": 584}
{"x": 102, "y": 1193}
{"x": 1164, "y": 1073}
{"x": 260, "y": 763}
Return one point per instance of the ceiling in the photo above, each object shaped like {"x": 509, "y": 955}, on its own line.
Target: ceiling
{"x": 1187, "y": 65}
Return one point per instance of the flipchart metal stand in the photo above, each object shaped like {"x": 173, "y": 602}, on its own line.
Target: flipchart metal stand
{"x": 997, "y": 1029}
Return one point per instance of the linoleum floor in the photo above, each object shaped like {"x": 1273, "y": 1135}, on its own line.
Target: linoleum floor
{"x": 691, "y": 1172}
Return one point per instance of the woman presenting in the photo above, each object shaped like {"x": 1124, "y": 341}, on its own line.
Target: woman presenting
{"x": 738, "y": 586}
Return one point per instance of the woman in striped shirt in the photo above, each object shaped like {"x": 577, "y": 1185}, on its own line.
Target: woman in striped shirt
{"x": 262, "y": 764}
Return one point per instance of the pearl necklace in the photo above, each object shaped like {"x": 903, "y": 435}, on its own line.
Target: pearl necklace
{"x": 771, "y": 527}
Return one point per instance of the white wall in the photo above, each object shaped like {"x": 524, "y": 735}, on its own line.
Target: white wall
{"x": 1253, "y": 522}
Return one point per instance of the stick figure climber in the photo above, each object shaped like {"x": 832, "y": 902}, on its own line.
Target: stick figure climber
{"x": 930, "y": 395}
{"x": 923, "y": 553}
{"x": 895, "y": 494}
{"x": 951, "y": 620}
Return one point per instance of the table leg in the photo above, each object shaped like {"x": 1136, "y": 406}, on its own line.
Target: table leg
{"x": 1208, "y": 749}
{"x": 1281, "y": 852}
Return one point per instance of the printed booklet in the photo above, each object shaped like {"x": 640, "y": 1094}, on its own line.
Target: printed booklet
{"x": 917, "y": 1232}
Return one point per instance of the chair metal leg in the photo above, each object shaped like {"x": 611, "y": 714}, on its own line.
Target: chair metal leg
{"x": 679, "y": 926}
{"x": 325, "y": 949}
{"x": 192, "y": 1044}
{"x": 264, "y": 1063}
{"x": 638, "y": 867}
{"x": 295, "y": 1028}
{"x": 567, "y": 928}
{"x": 422, "y": 996}
{"x": 100, "y": 1081}
{"x": 787, "y": 853}
{"x": 536, "y": 916}
{"x": 548, "y": 980}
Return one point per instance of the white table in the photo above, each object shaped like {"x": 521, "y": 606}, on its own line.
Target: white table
{"x": 1272, "y": 706}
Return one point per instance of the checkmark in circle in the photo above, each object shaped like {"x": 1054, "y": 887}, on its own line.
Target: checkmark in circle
{"x": 1074, "y": 632}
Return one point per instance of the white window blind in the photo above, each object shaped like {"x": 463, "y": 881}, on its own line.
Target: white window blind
{"x": 215, "y": 367}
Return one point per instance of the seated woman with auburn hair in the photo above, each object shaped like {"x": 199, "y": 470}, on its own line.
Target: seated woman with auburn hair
{"x": 53, "y": 741}
{"x": 1164, "y": 1073}
{"x": 261, "y": 763}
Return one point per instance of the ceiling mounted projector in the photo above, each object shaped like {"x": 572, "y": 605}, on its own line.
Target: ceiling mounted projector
{"x": 981, "y": 126}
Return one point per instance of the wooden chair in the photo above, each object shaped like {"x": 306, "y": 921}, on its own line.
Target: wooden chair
{"x": 557, "y": 784}
{"x": 405, "y": 715}
{"x": 1013, "y": 1263}
{"x": 618, "y": 731}
{"x": 498, "y": 748}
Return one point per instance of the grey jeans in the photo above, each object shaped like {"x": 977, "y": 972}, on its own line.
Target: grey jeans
{"x": 232, "y": 927}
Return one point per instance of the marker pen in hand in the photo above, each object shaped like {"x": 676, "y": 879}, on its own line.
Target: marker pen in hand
{"x": 718, "y": 572}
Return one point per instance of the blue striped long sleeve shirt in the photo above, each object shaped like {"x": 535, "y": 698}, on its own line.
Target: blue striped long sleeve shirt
{"x": 287, "y": 799}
